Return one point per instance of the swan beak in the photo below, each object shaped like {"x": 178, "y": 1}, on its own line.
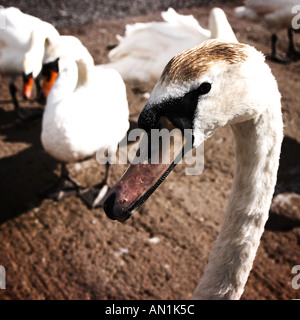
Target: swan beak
{"x": 27, "y": 85}
{"x": 49, "y": 82}
{"x": 141, "y": 179}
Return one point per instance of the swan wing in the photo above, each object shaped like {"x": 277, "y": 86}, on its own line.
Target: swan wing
{"x": 147, "y": 47}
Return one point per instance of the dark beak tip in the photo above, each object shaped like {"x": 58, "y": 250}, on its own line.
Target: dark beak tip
{"x": 112, "y": 211}
{"x": 108, "y": 206}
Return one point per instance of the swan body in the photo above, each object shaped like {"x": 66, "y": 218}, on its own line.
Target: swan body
{"x": 87, "y": 107}
{"x": 146, "y": 47}
{"x": 205, "y": 88}
{"x": 275, "y": 15}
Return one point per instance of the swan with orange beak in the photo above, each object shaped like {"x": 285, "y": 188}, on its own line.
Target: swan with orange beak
{"x": 203, "y": 89}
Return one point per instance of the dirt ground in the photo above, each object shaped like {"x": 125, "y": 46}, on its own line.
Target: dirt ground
{"x": 63, "y": 250}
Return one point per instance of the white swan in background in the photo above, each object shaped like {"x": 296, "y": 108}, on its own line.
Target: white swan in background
{"x": 205, "y": 88}
{"x": 275, "y": 15}
{"x": 146, "y": 47}
{"x": 22, "y": 43}
{"x": 86, "y": 110}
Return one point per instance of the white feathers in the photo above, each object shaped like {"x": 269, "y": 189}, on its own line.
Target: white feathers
{"x": 244, "y": 94}
{"x": 219, "y": 26}
{"x": 143, "y": 52}
{"x": 23, "y": 34}
{"x": 82, "y": 117}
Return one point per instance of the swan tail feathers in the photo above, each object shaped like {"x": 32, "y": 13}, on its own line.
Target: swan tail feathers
{"x": 220, "y": 26}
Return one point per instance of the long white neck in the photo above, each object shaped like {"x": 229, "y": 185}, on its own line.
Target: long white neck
{"x": 85, "y": 65}
{"x": 77, "y": 70}
{"x": 64, "y": 85}
{"x": 257, "y": 146}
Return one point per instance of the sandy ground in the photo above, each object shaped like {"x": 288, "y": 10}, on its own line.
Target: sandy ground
{"x": 63, "y": 250}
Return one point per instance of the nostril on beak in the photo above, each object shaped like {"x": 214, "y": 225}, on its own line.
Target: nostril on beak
{"x": 109, "y": 206}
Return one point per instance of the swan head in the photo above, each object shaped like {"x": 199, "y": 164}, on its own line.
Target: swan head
{"x": 54, "y": 63}
{"x": 69, "y": 59}
{"x": 32, "y": 66}
{"x": 60, "y": 78}
{"x": 50, "y": 72}
{"x": 202, "y": 89}
{"x": 33, "y": 59}
{"x": 209, "y": 86}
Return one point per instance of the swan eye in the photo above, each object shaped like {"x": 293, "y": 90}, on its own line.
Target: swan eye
{"x": 204, "y": 88}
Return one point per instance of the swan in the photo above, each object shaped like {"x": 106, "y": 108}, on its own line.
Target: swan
{"x": 205, "y": 88}
{"x": 22, "y": 42}
{"x": 275, "y": 15}
{"x": 86, "y": 111}
{"x": 145, "y": 49}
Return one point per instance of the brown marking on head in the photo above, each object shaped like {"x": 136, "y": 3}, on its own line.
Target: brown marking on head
{"x": 188, "y": 65}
